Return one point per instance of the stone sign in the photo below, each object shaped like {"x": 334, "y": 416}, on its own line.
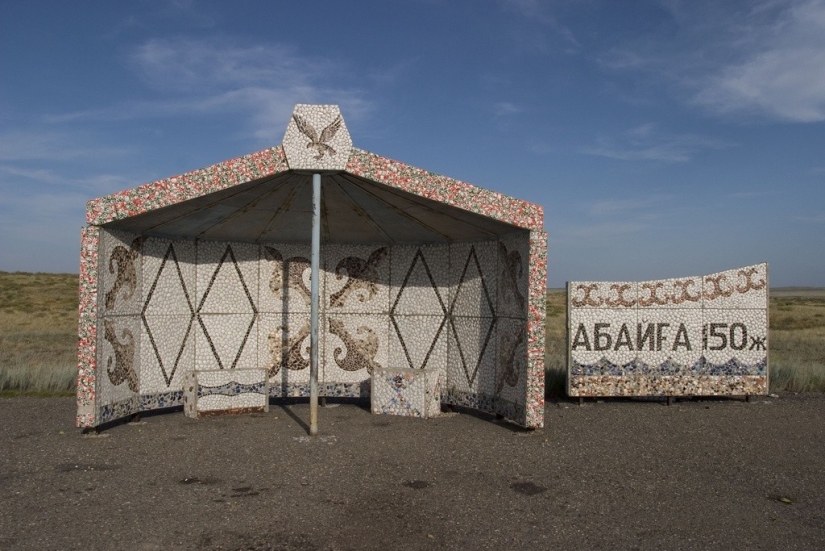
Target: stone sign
{"x": 694, "y": 336}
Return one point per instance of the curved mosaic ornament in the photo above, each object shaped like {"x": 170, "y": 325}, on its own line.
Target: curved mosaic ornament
{"x": 287, "y": 351}
{"x": 510, "y": 364}
{"x": 360, "y": 352}
{"x": 362, "y": 278}
{"x": 288, "y": 273}
{"x": 124, "y": 359}
{"x": 511, "y": 271}
{"x": 122, "y": 262}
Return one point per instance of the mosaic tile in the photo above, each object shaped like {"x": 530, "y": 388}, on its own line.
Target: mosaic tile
{"x": 167, "y": 351}
{"x": 86, "y": 381}
{"x": 225, "y": 390}
{"x": 122, "y": 253}
{"x": 420, "y": 280}
{"x": 227, "y": 278}
{"x": 169, "y": 276}
{"x": 119, "y": 361}
{"x": 418, "y": 342}
{"x": 285, "y": 282}
{"x": 407, "y": 392}
{"x": 511, "y": 356}
{"x": 226, "y": 341}
{"x": 445, "y": 190}
{"x": 473, "y": 274}
{"x": 353, "y": 345}
{"x": 471, "y": 355}
{"x": 739, "y": 288}
{"x": 356, "y": 278}
{"x": 316, "y": 138}
{"x": 738, "y": 335}
{"x": 283, "y": 347}
{"x": 170, "y": 191}
{"x": 513, "y": 280}
{"x": 678, "y": 340}
{"x": 536, "y": 313}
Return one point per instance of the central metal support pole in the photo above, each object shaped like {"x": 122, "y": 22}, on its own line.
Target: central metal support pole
{"x": 314, "y": 307}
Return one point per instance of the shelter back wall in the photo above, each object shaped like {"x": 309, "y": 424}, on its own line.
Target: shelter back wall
{"x": 171, "y": 306}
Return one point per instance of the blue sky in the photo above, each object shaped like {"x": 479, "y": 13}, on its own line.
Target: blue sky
{"x": 663, "y": 138}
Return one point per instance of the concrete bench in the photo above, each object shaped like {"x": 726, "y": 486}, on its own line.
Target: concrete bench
{"x": 219, "y": 391}
{"x": 408, "y": 392}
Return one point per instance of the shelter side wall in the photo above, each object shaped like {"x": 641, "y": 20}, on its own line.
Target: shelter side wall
{"x": 86, "y": 382}
{"x": 168, "y": 307}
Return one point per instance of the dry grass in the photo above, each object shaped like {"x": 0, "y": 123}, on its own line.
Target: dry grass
{"x": 38, "y": 333}
{"x": 38, "y": 336}
{"x": 797, "y": 340}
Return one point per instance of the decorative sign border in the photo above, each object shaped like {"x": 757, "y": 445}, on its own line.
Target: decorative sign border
{"x": 695, "y": 336}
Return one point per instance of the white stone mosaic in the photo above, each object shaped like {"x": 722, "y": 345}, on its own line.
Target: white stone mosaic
{"x": 119, "y": 360}
{"x": 226, "y": 341}
{"x": 227, "y": 278}
{"x": 511, "y": 365}
{"x": 285, "y": 278}
{"x": 420, "y": 282}
{"x": 471, "y": 353}
{"x": 356, "y": 278}
{"x": 167, "y": 351}
{"x": 283, "y": 347}
{"x": 169, "y": 276}
{"x": 407, "y": 392}
{"x": 419, "y": 342}
{"x": 474, "y": 278}
{"x": 316, "y": 138}
{"x": 513, "y": 276}
{"x": 214, "y": 306}
{"x": 121, "y": 273}
{"x": 687, "y": 336}
{"x": 353, "y": 346}
{"x": 225, "y": 390}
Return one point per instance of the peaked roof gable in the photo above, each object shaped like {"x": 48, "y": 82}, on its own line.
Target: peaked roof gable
{"x": 309, "y": 149}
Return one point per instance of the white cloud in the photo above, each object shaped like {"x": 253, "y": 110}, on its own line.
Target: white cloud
{"x": 645, "y": 143}
{"x": 763, "y": 59}
{"x": 48, "y": 145}
{"x": 786, "y": 81}
{"x": 622, "y": 206}
{"x": 506, "y": 108}
{"x": 262, "y": 83}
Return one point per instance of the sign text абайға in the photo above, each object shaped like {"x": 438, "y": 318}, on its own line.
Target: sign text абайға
{"x": 664, "y": 336}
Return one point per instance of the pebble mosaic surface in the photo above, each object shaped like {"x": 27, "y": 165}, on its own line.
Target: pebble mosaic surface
{"x": 154, "y": 310}
{"x": 694, "y": 336}
{"x": 408, "y": 392}
{"x": 225, "y": 390}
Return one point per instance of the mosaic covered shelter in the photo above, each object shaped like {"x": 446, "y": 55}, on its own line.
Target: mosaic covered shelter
{"x": 209, "y": 271}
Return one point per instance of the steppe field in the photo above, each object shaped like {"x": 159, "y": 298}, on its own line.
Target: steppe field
{"x": 38, "y": 336}
{"x": 712, "y": 473}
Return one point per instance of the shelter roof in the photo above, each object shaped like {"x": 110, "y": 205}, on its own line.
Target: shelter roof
{"x": 266, "y": 196}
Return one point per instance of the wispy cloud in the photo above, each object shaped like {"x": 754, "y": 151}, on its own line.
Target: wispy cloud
{"x": 646, "y": 143}
{"x": 541, "y": 12}
{"x": 261, "y": 82}
{"x": 50, "y": 145}
{"x": 814, "y": 219}
{"x": 612, "y": 207}
{"x": 505, "y": 108}
{"x": 766, "y": 59}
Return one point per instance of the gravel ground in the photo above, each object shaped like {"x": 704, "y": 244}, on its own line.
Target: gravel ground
{"x": 705, "y": 474}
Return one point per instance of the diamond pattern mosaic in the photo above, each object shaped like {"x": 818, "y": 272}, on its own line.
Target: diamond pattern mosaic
{"x": 157, "y": 311}
{"x": 692, "y": 336}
